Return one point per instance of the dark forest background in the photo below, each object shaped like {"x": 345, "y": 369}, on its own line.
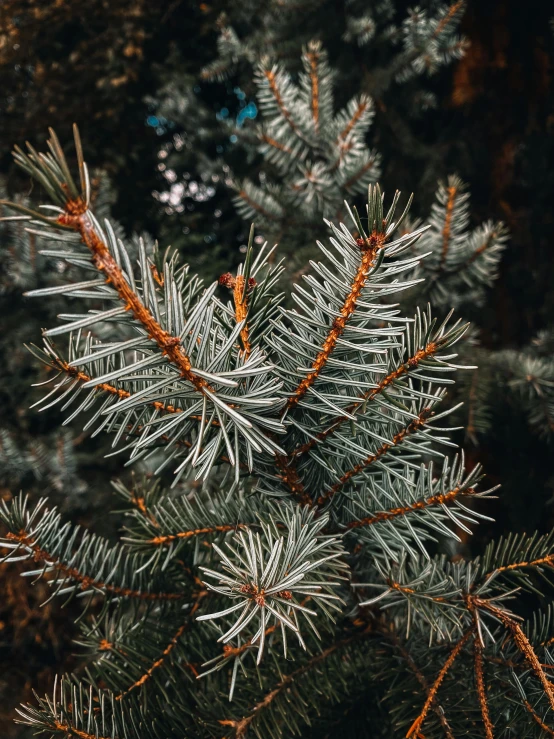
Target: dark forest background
{"x": 103, "y": 64}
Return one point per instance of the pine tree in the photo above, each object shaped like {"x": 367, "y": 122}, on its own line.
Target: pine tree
{"x": 301, "y": 169}
{"x": 301, "y": 574}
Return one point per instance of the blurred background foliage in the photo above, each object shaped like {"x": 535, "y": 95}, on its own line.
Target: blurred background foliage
{"x": 161, "y": 140}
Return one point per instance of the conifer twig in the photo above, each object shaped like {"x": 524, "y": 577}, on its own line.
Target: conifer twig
{"x": 415, "y": 727}
{"x": 76, "y": 217}
{"x": 289, "y": 475}
{"x": 220, "y": 528}
{"x": 72, "y": 731}
{"x": 241, "y": 727}
{"x": 313, "y": 58}
{"x": 521, "y": 642}
{"x": 419, "y": 505}
{"x": 369, "y": 247}
{"x": 397, "y": 439}
{"x": 370, "y": 395}
{"x": 40, "y": 555}
{"x": 481, "y": 687}
{"x": 405, "y": 654}
{"x": 287, "y": 115}
{"x": 169, "y": 648}
{"x": 537, "y": 719}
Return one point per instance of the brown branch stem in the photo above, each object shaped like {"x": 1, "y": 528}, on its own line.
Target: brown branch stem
{"x": 370, "y": 248}
{"x": 240, "y": 297}
{"x": 407, "y": 657}
{"x": 370, "y": 395}
{"x": 255, "y": 206}
{"x": 76, "y": 217}
{"x": 289, "y": 475}
{"x": 270, "y": 76}
{"x": 241, "y": 727}
{"x": 313, "y": 58}
{"x": 72, "y": 731}
{"x": 481, "y": 687}
{"x": 167, "y": 651}
{"x": 521, "y": 642}
{"x": 537, "y": 719}
{"x": 397, "y": 439}
{"x": 433, "y": 500}
{"x": 358, "y": 113}
{"x": 167, "y": 539}
{"x": 360, "y": 173}
{"x": 415, "y": 727}
{"x": 548, "y": 560}
{"x": 40, "y": 555}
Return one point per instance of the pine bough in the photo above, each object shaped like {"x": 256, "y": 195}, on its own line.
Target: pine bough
{"x": 293, "y": 574}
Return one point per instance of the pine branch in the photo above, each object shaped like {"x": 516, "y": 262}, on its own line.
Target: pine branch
{"x": 546, "y": 560}
{"x": 515, "y": 554}
{"x": 113, "y": 390}
{"x": 355, "y": 178}
{"x": 521, "y": 641}
{"x": 255, "y": 206}
{"x": 241, "y": 727}
{"x": 489, "y": 239}
{"x": 266, "y": 577}
{"x": 164, "y": 519}
{"x": 391, "y": 634}
{"x": 89, "y": 564}
{"x": 73, "y": 731}
{"x": 134, "y": 431}
{"x": 272, "y": 79}
{"x": 139, "y": 501}
{"x": 458, "y": 263}
{"x": 449, "y": 17}
{"x": 313, "y": 58}
{"x": 169, "y": 538}
{"x": 537, "y": 719}
{"x": 370, "y": 247}
{"x": 428, "y": 351}
{"x": 481, "y": 687}
{"x": 415, "y": 425}
{"x": 415, "y": 727}
{"x": 435, "y": 500}
{"x": 290, "y": 477}
{"x": 241, "y": 286}
{"x": 79, "y": 712}
{"x": 276, "y": 145}
{"x": 86, "y": 581}
{"x": 158, "y": 663}
{"x": 157, "y": 315}
{"x": 76, "y": 218}
{"x": 362, "y": 106}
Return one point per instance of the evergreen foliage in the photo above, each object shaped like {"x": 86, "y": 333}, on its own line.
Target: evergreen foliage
{"x": 313, "y": 81}
{"x": 310, "y": 166}
{"x": 37, "y": 454}
{"x": 461, "y": 262}
{"x": 314, "y": 501}
{"x": 319, "y": 153}
{"x": 419, "y": 41}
